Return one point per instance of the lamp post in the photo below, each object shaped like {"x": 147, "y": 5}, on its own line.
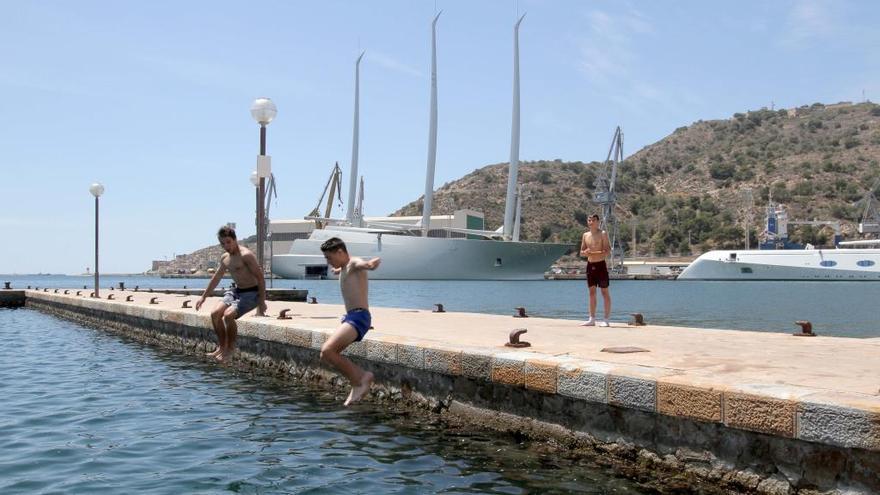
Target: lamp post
{"x": 263, "y": 111}
{"x": 97, "y": 190}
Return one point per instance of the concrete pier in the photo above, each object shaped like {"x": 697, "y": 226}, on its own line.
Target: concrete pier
{"x": 745, "y": 411}
{"x": 10, "y": 298}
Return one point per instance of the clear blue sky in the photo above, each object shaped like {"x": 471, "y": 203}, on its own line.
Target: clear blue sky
{"x": 152, "y": 99}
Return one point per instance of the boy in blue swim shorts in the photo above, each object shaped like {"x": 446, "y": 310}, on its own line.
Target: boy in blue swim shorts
{"x": 357, "y": 320}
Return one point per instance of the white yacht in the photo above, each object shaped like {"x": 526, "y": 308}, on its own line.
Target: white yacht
{"x": 419, "y": 250}
{"x": 782, "y": 260}
{"x": 786, "y": 264}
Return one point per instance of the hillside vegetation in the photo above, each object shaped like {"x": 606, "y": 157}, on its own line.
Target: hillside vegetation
{"x": 688, "y": 192}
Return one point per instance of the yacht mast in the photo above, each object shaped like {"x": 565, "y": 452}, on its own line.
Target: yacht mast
{"x": 432, "y": 134}
{"x": 510, "y": 202}
{"x": 352, "y": 178}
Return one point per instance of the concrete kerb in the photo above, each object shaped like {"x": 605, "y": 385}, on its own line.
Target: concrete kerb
{"x": 785, "y": 412}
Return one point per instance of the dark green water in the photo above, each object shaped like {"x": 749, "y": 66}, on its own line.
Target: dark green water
{"x": 85, "y": 411}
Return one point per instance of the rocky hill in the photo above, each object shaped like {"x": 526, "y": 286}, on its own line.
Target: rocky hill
{"x": 689, "y": 192}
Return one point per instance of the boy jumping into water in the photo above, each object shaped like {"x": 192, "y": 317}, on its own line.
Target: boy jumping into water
{"x": 357, "y": 320}
{"x": 249, "y": 292}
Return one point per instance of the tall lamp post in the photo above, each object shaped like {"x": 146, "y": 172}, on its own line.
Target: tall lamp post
{"x": 97, "y": 190}
{"x": 263, "y": 111}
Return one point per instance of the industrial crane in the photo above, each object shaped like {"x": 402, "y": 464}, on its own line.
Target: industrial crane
{"x": 604, "y": 196}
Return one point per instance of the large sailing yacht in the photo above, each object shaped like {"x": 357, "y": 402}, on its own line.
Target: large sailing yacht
{"x": 406, "y": 249}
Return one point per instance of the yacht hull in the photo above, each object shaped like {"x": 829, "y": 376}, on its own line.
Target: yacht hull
{"x": 423, "y": 258}
{"x": 788, "y": 264}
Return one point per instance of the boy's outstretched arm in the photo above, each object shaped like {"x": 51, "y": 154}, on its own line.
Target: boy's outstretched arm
{"x": 361, "y": 264}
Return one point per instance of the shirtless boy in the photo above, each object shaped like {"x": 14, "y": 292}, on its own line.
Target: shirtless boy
{"x": 595, "y": 247}
{"x": 249, "y": 292}
{"x": 357, "y": 319}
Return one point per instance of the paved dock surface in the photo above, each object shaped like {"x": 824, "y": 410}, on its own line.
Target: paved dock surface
{"x": 780, "y": 364}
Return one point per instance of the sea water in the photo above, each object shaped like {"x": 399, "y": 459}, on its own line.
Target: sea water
{"x": 86, "y": 411}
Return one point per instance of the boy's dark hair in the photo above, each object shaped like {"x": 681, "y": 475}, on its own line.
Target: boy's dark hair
{"x": 332, "y": 244}
{"x": 226, "y": 231}
{"x": 594, "y": 216}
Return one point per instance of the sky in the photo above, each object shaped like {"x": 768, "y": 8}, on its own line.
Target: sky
{"x": 152, "y": 100}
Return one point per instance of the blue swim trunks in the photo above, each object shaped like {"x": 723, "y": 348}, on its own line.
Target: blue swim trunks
{"x": 360, "y": 319}
{"x": 242, "y": 300}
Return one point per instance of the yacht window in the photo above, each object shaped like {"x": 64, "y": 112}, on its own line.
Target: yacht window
{"x": 497, "y": 261}
{"x": 732, "y": 256}
{"x": 745, "y": 269}
{"x": 865, "y": 262}
{"x": 828, "y": 263}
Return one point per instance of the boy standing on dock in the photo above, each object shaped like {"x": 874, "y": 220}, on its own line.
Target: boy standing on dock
{"x": 249, "y": 291}
{"x": 595, "y": 246}
{"x": 357, "y": 320}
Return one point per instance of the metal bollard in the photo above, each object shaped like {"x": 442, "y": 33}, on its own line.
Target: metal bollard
{"x": 186, "y": 304}
{"x": 66, "y": 291}
{"x": 56, "y": 291}
{"x": 109, "y": 297}
{"x": 136, "y": 287}
{"x": 283, "y": 315}
{"x": 514, "y": 338}
{"x": 314, "y": 300}
{"x": 438, "y": 308}
{"x": 129, "y": 298}
{"x": 46, "y": 289}
{"x": 79, "y": 293}
{"x": 91, "y": 294}
{"x": 8, "y": 285}
{"x": 806, "y": 329}
{"x": 154, "y": 300}
{"x": 520, "y": 312}
{"x": 638, "y": 320}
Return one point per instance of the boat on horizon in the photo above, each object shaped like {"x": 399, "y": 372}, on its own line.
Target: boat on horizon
{"x": 420, "y": 249}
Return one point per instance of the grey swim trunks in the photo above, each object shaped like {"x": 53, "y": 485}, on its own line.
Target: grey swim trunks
{"x": 242, "y": 300}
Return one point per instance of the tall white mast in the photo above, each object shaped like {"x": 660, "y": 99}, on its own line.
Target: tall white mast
{"x": 510, "y": 202}
{"x": 518, "y": 214}
{"x": 432, "y": 134}
{"x": 352, "y": 178}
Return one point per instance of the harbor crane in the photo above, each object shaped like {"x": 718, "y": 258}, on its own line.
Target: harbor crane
{"x": 605, "y": 197}
{"x": 334, "y": 185}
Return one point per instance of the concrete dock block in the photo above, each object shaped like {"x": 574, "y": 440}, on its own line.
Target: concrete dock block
{"x": 318, "y": 339}
{"x": 446, "y": 361}
{"x": 541, "y": 375}
{"x": 411, "y": 356}
{"x": 760, "y": 413}
{"x": 582, "y": 382}
{"x": 476, "y": 363}
{"x": 384, "y": 352}
{"x": 636, "y": 393}
{"x": 835, "y": 425}
{"x": 509, "y": 369}
{"x": 356, "y": 349}
{"x": 704, "y": 404}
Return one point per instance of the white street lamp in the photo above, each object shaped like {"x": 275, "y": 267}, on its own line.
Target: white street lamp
{"x": 263, "y": 110}
{"x": 97, "y": 190}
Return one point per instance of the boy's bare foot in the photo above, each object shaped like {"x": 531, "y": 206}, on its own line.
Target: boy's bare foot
{"x": 359, "y": 391}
